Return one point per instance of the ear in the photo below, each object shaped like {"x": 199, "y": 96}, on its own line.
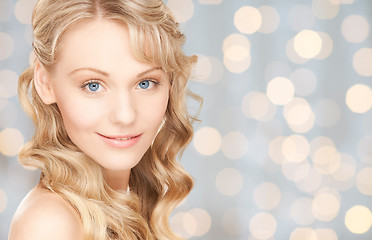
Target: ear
{"x": 43, "y": 84}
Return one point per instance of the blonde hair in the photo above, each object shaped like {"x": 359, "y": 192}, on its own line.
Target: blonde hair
{"x": 158, "y": 183}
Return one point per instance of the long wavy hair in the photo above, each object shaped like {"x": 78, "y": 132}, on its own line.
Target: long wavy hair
{"x": 158, "y": 183}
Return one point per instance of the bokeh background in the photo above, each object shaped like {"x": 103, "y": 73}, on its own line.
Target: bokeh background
{"x": 284, "y": 147}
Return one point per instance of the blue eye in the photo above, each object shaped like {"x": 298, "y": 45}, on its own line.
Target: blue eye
{"x": 144, "y": 84}
{"x": 93, "y": 86}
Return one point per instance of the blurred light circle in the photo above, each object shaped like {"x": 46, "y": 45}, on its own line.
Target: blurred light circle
{"x": 299, "y": 115}
{"x": 327, "y": 113}
{"x": 359, "y": 98}
{"x": 189, "y": 224}
{"x": 248, "y": 19}
{"x": 177, "y": 222}
{"x": 182, "y": 10}
{"x": 236, "y": 40}
{"x": 311, "y": 182}
{"x": 277, "y": 68}
{"x": 358, "y": 219}
{"x": 23, "y": 10}
{"x": 318, "y": 142}
{"x": 325, "y": 206}
{"x": 301, "y": 211}
{"x": 203, "y": 220}
{"x": 301, "y": 17}
{"x": 229, "y": 182}
{"x": 292, "y": 54}
{"x": 296, "y": 148}
{"x": 326, "y": 159}
{"x": 346, "y": 170}
{"x": 362, "y": 62}
{"x": 6, "y": 9}
{"x": 256, "y": 105}
{"x": 6, "y": 46}
{"x": 327, "y": 46}
{"x": 207, "y": 141}
{"x": 275, "y": 150}
{"x": 280, "y": 90}
{"x": 3, "y": 201}
{"x": 296, "y": 171}
{"x": 202, "y": 69}
{"x": 11, "y": 141}
{"x": 364, "y": 149}
{"x": 237, "y": 66}
{"x": 237, "y": 53}
{"x": 325, "y": 9}
{"x": 234, "y": 145}
{"x": 262, "y": 225}
{"x": 355, "y": 28}
{"x": 326, "y": 234}
{"x": 342, "y": 1}
{"x": 8, "y": 80}
{"x": 307, "y": 44}
{"x": 234, "y": 221}
{"x": 267, "y": 195}
{"x": 304, "y": 81}
{"x": 303, "y": 234}
{"x": 212, "y": 2}
{"x": 270, "y": 19}
{"x": 364, "y": 181}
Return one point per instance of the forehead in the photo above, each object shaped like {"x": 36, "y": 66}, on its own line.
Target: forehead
{"x": 104, "y": 44}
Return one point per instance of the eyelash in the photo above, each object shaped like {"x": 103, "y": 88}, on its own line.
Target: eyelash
{"x": 155, "y": 82}
{"x": 85, "y": 84}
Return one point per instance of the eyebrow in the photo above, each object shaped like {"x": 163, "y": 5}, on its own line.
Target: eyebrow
{"x": 107, "y": 75}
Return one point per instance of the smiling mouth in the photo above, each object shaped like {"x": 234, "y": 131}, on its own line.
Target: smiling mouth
{"x": 120, "y": 138}
{"x": 120, "y": 141}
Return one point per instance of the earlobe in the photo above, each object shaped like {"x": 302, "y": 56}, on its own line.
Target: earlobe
{"x": 43, "y": 84}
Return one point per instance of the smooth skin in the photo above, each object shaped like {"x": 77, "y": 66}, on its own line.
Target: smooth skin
{"x": 112, "y": 106}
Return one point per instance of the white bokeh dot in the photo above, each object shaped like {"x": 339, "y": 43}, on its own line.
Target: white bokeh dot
{"x": 267, "y": 195}
{"x": 6, "y": 46}
{"x": 270, "y": 19}
{"x": 364, "y": 149}
{"x": 207, "y": 141}
{"x": 364, "y": 181}
{"x": 234, "y": 145}
{"x": 326, "y": 234}
{"x": 325, "y": 9}
{"x": 325, "y": 206}
{"x": 307, "y": 44}
{"x": 229, "y": 181}
{"x": 362, "y": 62}
{"x": 248, "y": 19}
{"x": 262, "y": 225}
{"x": 280, "y": 90}
{"x": 203, "y": 220}
{"x": 182, "y": 10}
{"x": 11, "y": 141}
{"x": 23, "y": 10}
{"x": 355, "y": 28}
{"x": 303, "y": 234}
{"x": 358, "y": 219}
{"x": 359, "y": 98}
{"x": 299, "y": 115}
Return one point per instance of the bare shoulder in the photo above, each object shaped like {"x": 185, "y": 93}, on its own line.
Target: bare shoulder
{"x": 45, "y": 215}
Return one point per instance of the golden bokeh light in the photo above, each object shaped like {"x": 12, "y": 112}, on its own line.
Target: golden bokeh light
{"x": 362, "y": 62}
{"x": 262, "y": 225}
{"x": 207, "y": 141}
{"x": 280, "y": 90}
{"x": 276, "y": 150}
{"x": 229, "y": 182}
{"x": 299, "y": 115}
{"x": 257, "y": 106}
{"x": 248, "y": 19}
{"x": 325, "y": 206}
{"x": 11, "y": 141}
{"x": 346, "y": 169}
{"x": 327, "y": 46}
{"x": 303, "y": 234}
{"x": 307, "y": 44}
{"x": 326, "y": 234}
{"x": 326, "y": 159}
{"x": 203, "y": 220}
{"x": 267, "y": 196}
{"x": 358, "y": 219}
{"x": 359, "y": 98}
{"x": 292, "y": 53}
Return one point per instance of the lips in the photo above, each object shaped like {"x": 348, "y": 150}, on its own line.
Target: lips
{"x": 119, "y": 141}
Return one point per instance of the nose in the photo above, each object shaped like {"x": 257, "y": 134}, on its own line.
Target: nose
{"x": 123, "y": 109}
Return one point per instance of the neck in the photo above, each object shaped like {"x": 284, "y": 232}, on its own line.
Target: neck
{"x": 118, "y": 180}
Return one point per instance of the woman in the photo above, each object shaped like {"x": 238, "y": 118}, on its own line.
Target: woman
{"x": 107, "y": 96}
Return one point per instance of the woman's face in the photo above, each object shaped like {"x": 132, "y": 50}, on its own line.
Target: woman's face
{"x": 112, "y": 105}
